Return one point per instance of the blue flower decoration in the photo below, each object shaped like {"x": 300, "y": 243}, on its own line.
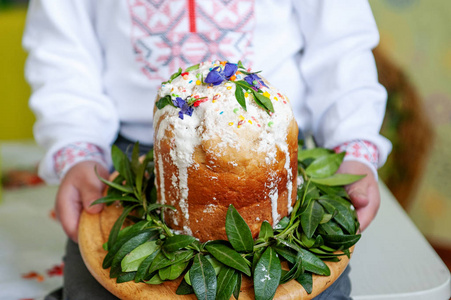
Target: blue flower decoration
{"x": 185, "y": 109}
{"x": 216, "y": 77}
{"x": 254, "y": 81}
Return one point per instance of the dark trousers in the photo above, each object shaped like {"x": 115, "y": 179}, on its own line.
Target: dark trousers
{"x": 79, "y": 284}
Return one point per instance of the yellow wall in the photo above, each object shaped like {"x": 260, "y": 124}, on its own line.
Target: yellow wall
{"x": 16, "y": 119}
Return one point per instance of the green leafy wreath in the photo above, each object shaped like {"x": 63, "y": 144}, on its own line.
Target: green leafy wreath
{"x": 322, "y": 226}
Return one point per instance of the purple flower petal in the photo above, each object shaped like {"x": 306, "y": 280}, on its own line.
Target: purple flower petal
{"x": 229, "y": 70}
{"x": 250, "y": 79}
{"x": 255, "y": 81}
{"x": 189, "y": 111}
{"x": 214, "y": 77}
{"x": 179, "y": 102}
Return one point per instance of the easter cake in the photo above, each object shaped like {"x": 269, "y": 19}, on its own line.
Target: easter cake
{"x": 223, "y": 135}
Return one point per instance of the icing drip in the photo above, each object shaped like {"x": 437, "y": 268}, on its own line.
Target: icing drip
{"x": 289, "y": 176}
{"x": 274, "y": 197}
{"x": 161, "y": 177}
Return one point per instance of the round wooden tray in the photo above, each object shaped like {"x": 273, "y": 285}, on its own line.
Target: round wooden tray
{"x": 94, "y": 231}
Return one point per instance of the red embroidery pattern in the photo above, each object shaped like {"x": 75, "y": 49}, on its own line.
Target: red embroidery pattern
{"x": 74, "y": 153}
{"x": 360, "y": 150}
{"x": 166, "y": 35}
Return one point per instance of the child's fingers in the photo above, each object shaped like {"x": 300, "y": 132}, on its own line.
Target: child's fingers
{"x": 366, "y": 214}
{"x": 68, "y": 208}
{"x": 91, "y": 189}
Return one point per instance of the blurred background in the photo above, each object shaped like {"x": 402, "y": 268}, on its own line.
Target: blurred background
{"x": 414, "y": 63}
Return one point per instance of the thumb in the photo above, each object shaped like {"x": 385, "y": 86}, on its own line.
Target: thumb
{"x": 359, "y": 196}
{"x": 89, "y": 195}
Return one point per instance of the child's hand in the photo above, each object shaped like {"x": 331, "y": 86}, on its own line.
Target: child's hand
{"x": 364, "y": 193}
{"x": 79, "y": 188}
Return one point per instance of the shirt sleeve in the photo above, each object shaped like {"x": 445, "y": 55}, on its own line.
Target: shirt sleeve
{"x": 344, "y": 98}
{"x": 64, "y": 69}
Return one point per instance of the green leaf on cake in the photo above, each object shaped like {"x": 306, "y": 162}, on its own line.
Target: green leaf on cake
{"x": 162, "y": 102}
{"x": 263, "y": 101}
{"x": 239, "y": 95}
{"x": 192, "y": 68}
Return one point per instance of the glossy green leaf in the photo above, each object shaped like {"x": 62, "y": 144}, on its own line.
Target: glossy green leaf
{"x": 229, "y": 257}
{"x": 330, "y": 228}
{"x": 239, "y": 95}
{"x": 238, "y": 232}
{"x": 227, "y": 280}
{"x": 294, "y": 272}
{"x": 154, "y": 206}
{"x": 122, "y": 188}
{"x": 311, "y": 242}
{"x": 177, "y": 242}
{"x": 123, "y": 236}
{"x": 122, "y": 164}
{"x": 237, "y": 290}
{"x": 326, "y": 218}
{"x": 143, "y": 268}
{"x": 341, "y": 241}
{"x": 135, "y": 158}
{"x": 344, "y": 217}
{"x": 154, "y": 280}
{"x": 313, "y": 153}
{"x": 112, "y": 198}
{"x": 164, "y": 101}
{"x": 338, "y": 179}
{"x": 172, "y": 272}
{"x": 283, "y": 223}
{"x": 125, "y": 277}
{"x": 263, "y": 101}
{"x": 132, "y": 260}
{"x": 309, "y": 261}
{"x": 311, "y": 218}
{"x": 325, "y": 166}
{"x": 203, "y": 278}
{"x": 192, "y": 68}
{"x": 338, "y": 191}
{"x": 161, "y": 261}
{"x": 127, "y": 247}
{"x": 286, "y": 253}
{"x": 267, "y": 275}
{"x": 306, "y": 280}
{"x": 266, "y": 231}
{"x": 118, "y": 224}
{"x": 184, "y": 288}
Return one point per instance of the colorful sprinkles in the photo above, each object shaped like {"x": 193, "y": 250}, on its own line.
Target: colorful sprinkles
{"x": 222, "y": 72}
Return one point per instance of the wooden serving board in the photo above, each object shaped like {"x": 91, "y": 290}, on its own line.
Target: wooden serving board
{"x": 94, "y": 231}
